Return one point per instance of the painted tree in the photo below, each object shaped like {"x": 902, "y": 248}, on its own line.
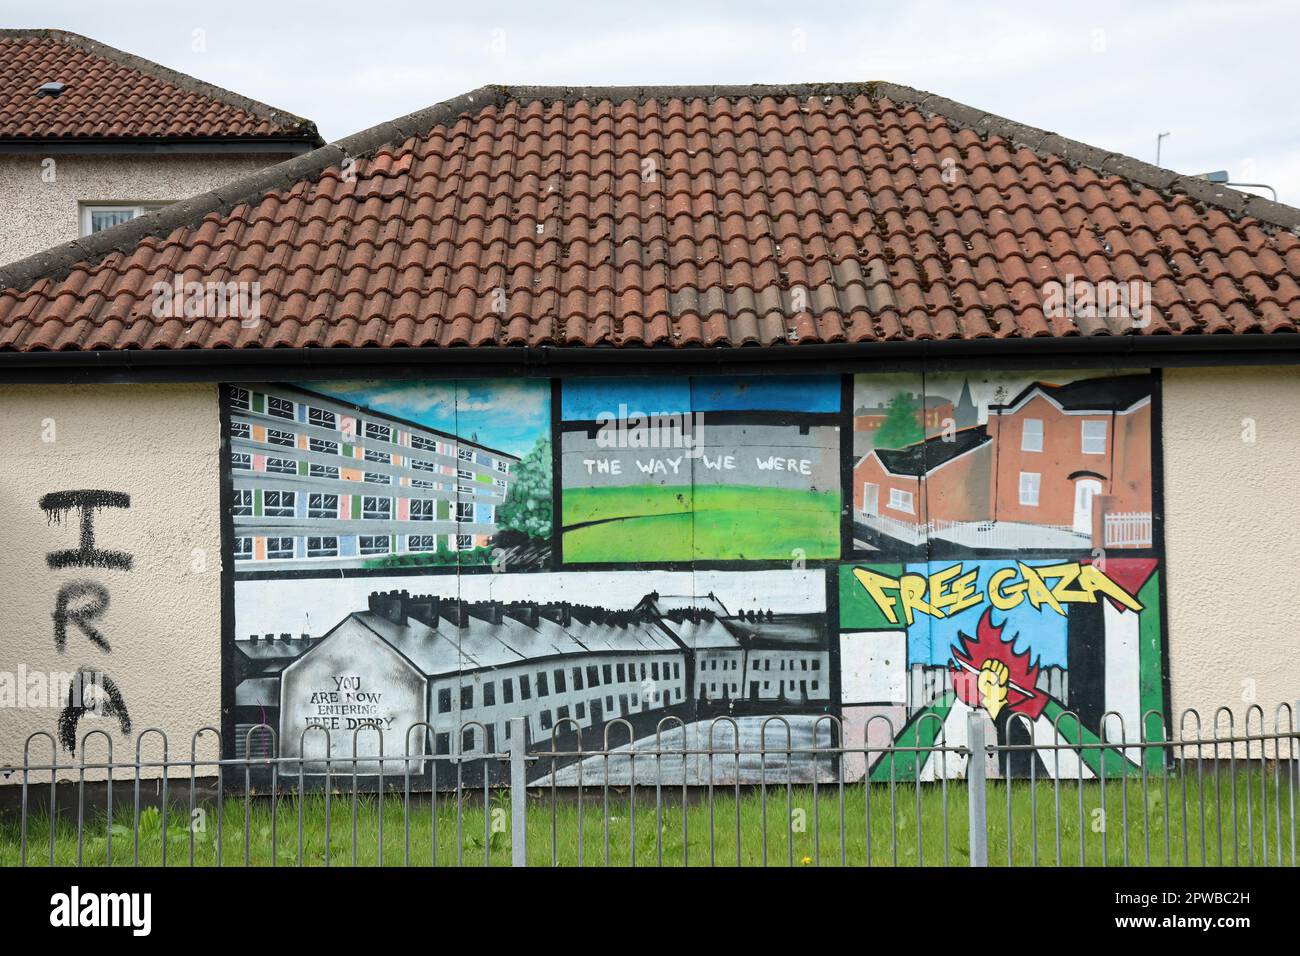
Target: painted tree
{"x": 527, "y": 508}
{"x": 902, "y": 424}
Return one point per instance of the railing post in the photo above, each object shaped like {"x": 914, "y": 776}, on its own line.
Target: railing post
{"x": 976, "y": 798}
{"x": 518, "y": 793}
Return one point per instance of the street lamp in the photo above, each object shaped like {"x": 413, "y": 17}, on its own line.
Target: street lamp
{"x": 1221, "y": 176}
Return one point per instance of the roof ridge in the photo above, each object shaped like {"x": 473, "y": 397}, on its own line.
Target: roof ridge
{"x": 57, "y": 261}
{"x": 157, "y": 71}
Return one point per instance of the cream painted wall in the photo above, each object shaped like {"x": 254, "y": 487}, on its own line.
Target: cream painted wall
{"x": 36, "y": 214}
{"x": 159, "y": 444}
{"x": 1232, "y": 534}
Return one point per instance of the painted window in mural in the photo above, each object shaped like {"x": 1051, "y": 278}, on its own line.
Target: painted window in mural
{"x": 895, "y": 551}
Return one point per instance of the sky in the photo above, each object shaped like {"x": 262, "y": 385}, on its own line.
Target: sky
{"x": 1217, "y": 77}
{"x": 504, "y": 415}
{"x": 597, "y": 399}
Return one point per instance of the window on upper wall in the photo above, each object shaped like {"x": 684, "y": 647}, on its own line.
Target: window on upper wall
{"x": 1030, "y": 483}
{"x": 1031, "y": 438}
{"x": 99, "y": 216}
{"x": 1094, "y": 437}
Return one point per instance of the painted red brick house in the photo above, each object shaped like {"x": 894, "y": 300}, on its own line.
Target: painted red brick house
{"x": 1060, "y": 451}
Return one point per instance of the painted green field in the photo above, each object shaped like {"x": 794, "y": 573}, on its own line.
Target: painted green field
{"x": 1176, "y": 821}
{"x": 667, "y": 523}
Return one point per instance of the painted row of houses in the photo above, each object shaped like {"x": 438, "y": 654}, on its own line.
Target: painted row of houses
{"x": 468, "y": 668}
{"x": 1057, "y": 466}
{"x": 317, "y": 481}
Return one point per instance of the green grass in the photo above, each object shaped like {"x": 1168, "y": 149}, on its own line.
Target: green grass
{"x": 681, "y": 523}
{"x": 806, "y": 832}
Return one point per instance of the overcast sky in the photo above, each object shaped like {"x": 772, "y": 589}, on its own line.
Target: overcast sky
{"x": 1219, "y": 77}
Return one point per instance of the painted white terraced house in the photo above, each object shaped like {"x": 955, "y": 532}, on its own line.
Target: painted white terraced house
{"x": 321, "y": 482}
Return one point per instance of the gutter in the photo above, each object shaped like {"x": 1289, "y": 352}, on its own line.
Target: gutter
{"x": 226, "y": 365}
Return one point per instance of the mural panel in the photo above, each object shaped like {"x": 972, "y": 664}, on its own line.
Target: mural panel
{"x": 1002, "y": 462}
{"x": 374, "y": 475}
{"x": 923, "y": 645}
{"x": 567, "y": 652}
{"x": 700, "y": 469}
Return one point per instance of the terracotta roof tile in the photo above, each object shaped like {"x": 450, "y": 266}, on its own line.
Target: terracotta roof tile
{"x": 109, "y": 94}
{"x": 676, "y": 219}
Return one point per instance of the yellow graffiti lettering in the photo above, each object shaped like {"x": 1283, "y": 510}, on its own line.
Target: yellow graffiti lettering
{"x": 1037, "y": 591}
{"x": 876, "y": 585}
{"x": 1004, "y": 599}
{"x": 1093, "y": 579}
{"x": 913, "y": 594}
{"x": 949, "y": 591}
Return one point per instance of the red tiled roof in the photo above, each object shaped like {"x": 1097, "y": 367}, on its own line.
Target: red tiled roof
{"x": 678, "y": 218}
{"x": 113, "y": 95}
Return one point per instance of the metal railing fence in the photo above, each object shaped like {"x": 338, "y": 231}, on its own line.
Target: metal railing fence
{"x": 1211, "y": 794}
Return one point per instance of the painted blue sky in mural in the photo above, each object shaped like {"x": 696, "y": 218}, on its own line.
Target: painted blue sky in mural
{"x": 1041, "y": 632}
{"x": 502, "y": 414}
{"x": 585, "y": 400}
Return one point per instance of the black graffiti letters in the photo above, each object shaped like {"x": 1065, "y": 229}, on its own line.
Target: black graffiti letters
{"x": 95, "y": 693}
{"x": 87, "y": 502}
{"x": 79, "y": 603}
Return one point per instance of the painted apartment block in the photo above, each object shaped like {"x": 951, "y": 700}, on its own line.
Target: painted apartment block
{"x": 316, "y": 481}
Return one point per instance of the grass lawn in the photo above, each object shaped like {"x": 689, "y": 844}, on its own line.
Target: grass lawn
{"x": 798, "y": 828}
{"x": 681, "y": 523}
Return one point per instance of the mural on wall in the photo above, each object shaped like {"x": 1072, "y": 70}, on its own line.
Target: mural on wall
{"x": 700, "y": 468}
{"x": 938, "y": 547}
{"x": 923, "y": 645}
{"x": 376, "y": 475}
{"x": 1002, "y": 462}
{"x": 389, "y": 653}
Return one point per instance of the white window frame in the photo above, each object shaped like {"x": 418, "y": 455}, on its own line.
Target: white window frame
{"x": 419, "y": 507}
{"x": 318, "y": 506}
{"x": 279, "y": 547}
{"x": 1031, "y": 487}
{"x": 241, "y": 504}
{"x": 371, "y": 510}
{"x": 461, "y": 505}
{"x": 900, "y": 500}
{"x": 1084, "y": 437}
{"x": 328, "y": 419}
{"x": 288, "y": 503}
{"x": 136, "y": 209}
{"x": 327, "y": 546}
{"x": 422, "y": 542}
{"x": 288, "y": 402}
{"x": 371, "y": 548}
{"x": 1031, "y": 440}
{"x": 243, "y": 549}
